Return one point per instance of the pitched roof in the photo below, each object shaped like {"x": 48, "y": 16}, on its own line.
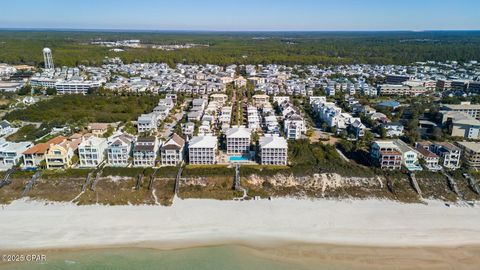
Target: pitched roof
{"x": 238, "y": 132}
{"x": 203, "y": 142}
{"x": 424, "y": 152}
{"x": 273, "y": 142}
{"x": 42, "y": 148}
{"x": 175, "y": 142}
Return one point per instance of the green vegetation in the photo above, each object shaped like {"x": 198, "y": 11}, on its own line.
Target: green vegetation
{"x": 30, "y": 133}
{"x": 74, "y": 48}
{"x": 84, "y": 109}
{"x": 307, "y": 158}
{"x": 210, "y": 170}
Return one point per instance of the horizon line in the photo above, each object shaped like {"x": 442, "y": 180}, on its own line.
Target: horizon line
{"x": 222, "y": 31}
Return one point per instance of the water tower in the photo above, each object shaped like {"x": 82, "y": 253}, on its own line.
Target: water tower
{"x": 47, "y": 58}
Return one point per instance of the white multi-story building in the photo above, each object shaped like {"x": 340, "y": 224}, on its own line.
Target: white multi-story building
{"x": 449, "y": 154}
{"x": 11, "y": 153}
{"x": 188, "y": 128}
{"x": 333, "y": 116}
{"x": 253, "y": 118}
{"x": 147, "y": 122}
{"x": 471, "y": 109}
{"x": 91, "y": 151}
{"x": 172, "y": 150}
{"x": 238, "y": 140}
{"x": 75, "y": 87}
{"x": 43, "y": 82}
{"x": 273, "y": 150}
{"x": 145, "y": 152}
{"x": 119, "y": 150}
{"x": 203, "y": 150}
{"x": 294, "y": 127}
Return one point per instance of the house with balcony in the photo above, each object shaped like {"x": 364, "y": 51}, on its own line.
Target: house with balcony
{"x": 147, "y": 122}
{"x": 35, "y": 155}
{"x": 430, "y": 159}
{"x": 238, "y": 141}
{"x": 260, "y": 100}
{"x": 386, "y": 155}
{"x": 409, "y": 156}
{"x": 60, "y": 156}
{"x": 171, "y": 152}
{"x": 253, "y": 118}
{"x": 470, "y": 153}
{"x": 11, "y": 153}
{"x": 294, "y": 127}
{"x": 273, "y": 150}
{"x": 91, "y": 151}
{"x": 449, "y": 154}
{"x": 202, "y": 150}
{"x": 119, "y": 150}
{"x": 145, "y": 152}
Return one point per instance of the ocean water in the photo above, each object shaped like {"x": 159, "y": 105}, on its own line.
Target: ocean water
{"x": 203, "y": 258}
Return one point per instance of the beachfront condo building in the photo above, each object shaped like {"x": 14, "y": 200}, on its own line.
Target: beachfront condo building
{"x": 273, "y": 150}
{"x": 238, "y": 141}
{"x": 145, "y": 152}
{"x": 171, "y": 152}
{"x": 91, "y": 151}
{"x": 119, "y": 150}
{"x": 203, "y": 150}
{"x": 471, "y": 153}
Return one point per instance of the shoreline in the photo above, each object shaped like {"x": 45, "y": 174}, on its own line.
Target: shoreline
{"x": 34, "y": 225}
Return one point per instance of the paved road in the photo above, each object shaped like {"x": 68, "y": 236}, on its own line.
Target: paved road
{"x": 169, "y": 127}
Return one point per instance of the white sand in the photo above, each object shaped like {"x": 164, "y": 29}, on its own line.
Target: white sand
{"x": 29, "y": 225}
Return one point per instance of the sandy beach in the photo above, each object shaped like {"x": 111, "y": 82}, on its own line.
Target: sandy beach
{"x": 40, "y": 225}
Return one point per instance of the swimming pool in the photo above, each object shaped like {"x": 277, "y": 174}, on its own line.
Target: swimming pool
{"x": 238, "y": 159}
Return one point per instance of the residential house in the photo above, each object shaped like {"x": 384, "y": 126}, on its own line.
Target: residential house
{"x": 238, "y": 140}
{"x": 60, "y": 156}
{"x": 147, "y": 122}
{"x": 431, "y": 160}
{"x": 449, "y": 154}
{"x": 11, "y": 153}
{"x": 188, "y": 129}
{"x": 409, "y": 155}
{"x": 5, "y": 128}
{"x": 172, "y": 150}
{"x": 119, "y": 149}
{"x": 294, "y": 127}
{"x": 386, "y": 155}
{"x": 260, "y": 100}
{"x": 145, "y": 152}
{"x": 91, "y": 151}
{"x": 393, "y": 129}
{"x": 273, "y": 150}
{"x": 203, "y": 150}
{"x": 35, "y": 155}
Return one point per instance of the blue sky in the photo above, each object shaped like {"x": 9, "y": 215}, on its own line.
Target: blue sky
{"x": 243, "y": 15}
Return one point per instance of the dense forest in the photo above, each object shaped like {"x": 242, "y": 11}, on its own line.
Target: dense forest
{"x": 85, "y": 109}
{"x": 72, "y": 48}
